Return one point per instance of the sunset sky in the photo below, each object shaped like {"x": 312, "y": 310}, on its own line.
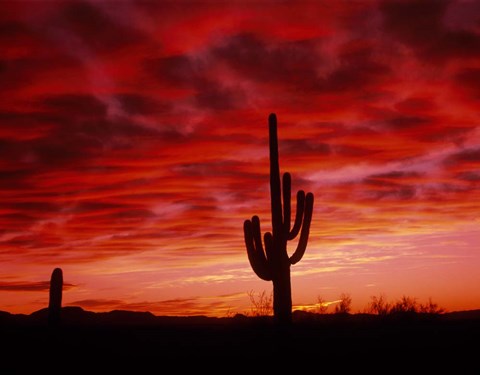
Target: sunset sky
{"x": 134, "y": 143}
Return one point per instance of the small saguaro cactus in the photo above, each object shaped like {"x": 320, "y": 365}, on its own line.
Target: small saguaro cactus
{"x": 273, "y": 263}
{"x": 55, "y": 302}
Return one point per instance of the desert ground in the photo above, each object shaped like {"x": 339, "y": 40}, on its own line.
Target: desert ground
{"x": 142, "y": 343}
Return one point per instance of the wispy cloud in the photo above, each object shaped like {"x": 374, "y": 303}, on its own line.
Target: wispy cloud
{"x": 33, "y": 286}
{"x": 221, "y": 305}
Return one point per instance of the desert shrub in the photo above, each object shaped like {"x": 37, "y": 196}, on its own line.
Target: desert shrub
{"x": 321, "y": 307}
{"x": 430, "y": 308}
{"x": 378, "y": 305}
{"x": 405, "y": 305}
{"x": 261, "y": 303}
{"x": 345, "y": 305}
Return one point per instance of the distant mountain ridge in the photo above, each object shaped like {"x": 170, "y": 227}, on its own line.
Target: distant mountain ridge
{"x": 75, "y": 315}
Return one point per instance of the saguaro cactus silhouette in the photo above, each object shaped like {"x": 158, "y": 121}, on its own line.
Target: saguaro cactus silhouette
{"x": 273, "y": 263}
{"x": 55, "y": 302}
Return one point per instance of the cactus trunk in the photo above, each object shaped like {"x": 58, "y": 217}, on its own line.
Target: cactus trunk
{"x": 282, "y": 296}
{"x": 55, "y": 302}
{"x": 273, "y": 263}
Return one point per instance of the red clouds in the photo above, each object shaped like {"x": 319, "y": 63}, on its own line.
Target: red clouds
{"x": 432, "y": 28}
{"x": 30, "y": 286}
{"x": 137, "y": 134}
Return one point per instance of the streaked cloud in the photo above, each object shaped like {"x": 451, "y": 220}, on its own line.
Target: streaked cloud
{"x": 35, "y": 286}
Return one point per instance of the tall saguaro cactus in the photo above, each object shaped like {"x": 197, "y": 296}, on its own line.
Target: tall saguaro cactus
{"x": 273, "y": 263}
{"x": 55, "y": 302}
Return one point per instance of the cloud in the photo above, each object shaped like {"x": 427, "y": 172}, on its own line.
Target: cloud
{"x": 179, "y": 70}
{"x": 98, "y": 303}
{"x": 217, "y": 97}
{"x": 141, "y": 104}
{"x": 416, "y": 105}
{"x": 291, "y": 63}
{"x": 395, "y": 185}
{"x": 35, "y": 286}
{"x": 396, "y": 194}
{"x": 221, "y": 76}
{"x": 402, "y": 122}
{"x": 394, "y": 175}
{"x": 297, "y": 64}
{"x": 469, "y": 176}
{"x": 23, "y": 58}
{"x": 216, "y": 305}
{"x": 469, "y": 80}
{"x": 93, "y": 26}
{"x": 227, "y": 168}
{"x": 75, "y": 105}
{"x": 467, "y": 156}
{"x": 455, "y": 134}
{"x": 420, "y": 24}
{"x": 296, "y": 146}
{"x": 15, "y": 179}
{"x": 194, "y": 73}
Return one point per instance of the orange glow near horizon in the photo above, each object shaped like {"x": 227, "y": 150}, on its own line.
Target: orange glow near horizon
{"x": 134, "y": 143}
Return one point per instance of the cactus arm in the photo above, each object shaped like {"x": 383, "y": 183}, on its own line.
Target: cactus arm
{"x": 268, "y": 239}
{"x": 287, "y": 211}
{"x": 257, "y": 234}
{"x": 256, "y": 256}
{"x": 275, "y": 190}
{"x": 298, "y": 216}
{"x": 302, "y": 242}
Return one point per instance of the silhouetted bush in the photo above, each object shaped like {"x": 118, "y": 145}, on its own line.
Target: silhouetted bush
{"x": 405, "y": 305}
{"x": 380, "y": 306}
{"x": 322, "y": 306}
{"x": 261, "y": 304}
{"x": 431, "y": 308}
{"x": 345, "y": 305}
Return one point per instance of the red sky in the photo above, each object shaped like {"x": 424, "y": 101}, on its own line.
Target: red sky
{"x": 134, "y": 143}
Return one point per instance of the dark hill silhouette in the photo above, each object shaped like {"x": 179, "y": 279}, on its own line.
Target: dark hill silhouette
{"x": 73, "y": 315}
